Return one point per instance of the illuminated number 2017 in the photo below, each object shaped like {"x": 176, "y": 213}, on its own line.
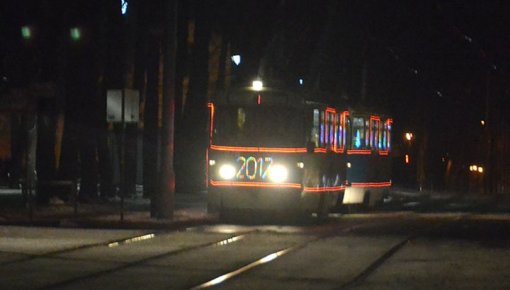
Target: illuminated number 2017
{"x": 265, "y": 163}
{"x": 250, "y": 167}
{"x": 251, "y": 163}
{"x": 242, "y": 169}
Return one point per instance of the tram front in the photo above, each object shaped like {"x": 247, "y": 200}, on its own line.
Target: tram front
{"x": 255, "y": 157}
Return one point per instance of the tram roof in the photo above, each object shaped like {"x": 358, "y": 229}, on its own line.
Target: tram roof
{"x": 365, "y": 111}
{"x": 269, "y": 97}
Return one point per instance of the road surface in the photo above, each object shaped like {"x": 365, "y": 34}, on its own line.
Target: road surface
{"x": 391, "y": 250}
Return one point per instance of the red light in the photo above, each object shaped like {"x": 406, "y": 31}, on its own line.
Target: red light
{"x": 359, "y": 152}
{"x": 211, "y": 121}
{"x": 255, "y": 184}
{"x": 259, "y": 99}
{"x": 371, "y": 184}
{"x": 338, "y": 150}
{"x": 319, "y": 150}
{"x": 258, "y": 149}
{"x": 324, "y": 189}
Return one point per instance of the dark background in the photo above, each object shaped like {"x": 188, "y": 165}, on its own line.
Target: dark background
{"x": 437, "y": 67}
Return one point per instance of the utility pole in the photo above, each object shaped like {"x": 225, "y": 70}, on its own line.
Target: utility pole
{"x": 166, "y": 195}
{"x": 488, "y": 134}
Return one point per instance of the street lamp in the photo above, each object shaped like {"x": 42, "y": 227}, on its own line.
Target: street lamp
{"x": 409, "y": 136}
{"x": 75, "y": 33}
{"x": 236, "y": 59}
{"x": 26, "y": 32}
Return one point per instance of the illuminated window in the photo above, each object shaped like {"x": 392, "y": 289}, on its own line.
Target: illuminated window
{"x": 357, "y": 139}
{"x": 339, "y": 137}
{"x": 358, "y": 133}
{"x": 322, "y": 131}
{"x": 315, "y": 128}
{"x": 375, "y": 128}
{"x": 347, "y": 129}
{"x": 367, "y": 133}
{"x": 384, "y": 136}
{"x": 330, "y": 129}
{"x": 388, "y": 133}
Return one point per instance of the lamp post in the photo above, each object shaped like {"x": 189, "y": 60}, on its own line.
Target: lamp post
{"x": 408, "y": 137}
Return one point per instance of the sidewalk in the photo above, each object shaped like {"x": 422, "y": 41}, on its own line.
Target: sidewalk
{"x": 450, "y": 201}
{"x": 190, "y": 210}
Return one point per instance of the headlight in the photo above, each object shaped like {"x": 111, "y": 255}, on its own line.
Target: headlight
{"x": 278, "y": 173}
{"x": 227, "y": 171}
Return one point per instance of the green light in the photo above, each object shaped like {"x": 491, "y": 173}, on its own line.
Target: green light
{"x": 26, "y": 33}
{"x": 75, "y": 33}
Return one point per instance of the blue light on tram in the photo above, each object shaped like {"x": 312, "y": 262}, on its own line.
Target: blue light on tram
{"x": 322, "y": 135}
{"x": 357, "y": 139}
{"x": 123, "y": 6}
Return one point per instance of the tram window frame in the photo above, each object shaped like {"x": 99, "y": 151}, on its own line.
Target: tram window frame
{"x": 339, "y": 130}
{"x": 375, "y": 127}
{"x": 367, "y": 134}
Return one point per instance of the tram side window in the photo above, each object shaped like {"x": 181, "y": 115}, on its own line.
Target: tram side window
{"x": 384, "y": 136}
{"x": 347, "y": 130}
{"x": 339, "y": 137}
{"x": 367, "y": 134}
{"x": 315, "y": 134}
{"x": 375, "y": 140}
{"x": 358, "y": 133}
{"x": 388, "y": 134}
{"x": 323, "y": 135}
{"x": 330, "y": 118}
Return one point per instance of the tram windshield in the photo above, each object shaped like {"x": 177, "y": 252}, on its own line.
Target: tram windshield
{"x": 258, "y": 126}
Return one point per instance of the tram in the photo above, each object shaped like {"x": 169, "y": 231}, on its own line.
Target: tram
{"x": 273, "y": 153}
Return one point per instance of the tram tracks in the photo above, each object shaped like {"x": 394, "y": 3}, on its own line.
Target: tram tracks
{"x": 223, "y": 242}
{"x": 271, "y": 257}
{"x": 108, "y": 243}
{"x": 377, "y": 263}
{"x": 322, "y": 233}
{"x": 356, "y": 280}
{"x": 231, "y": 239}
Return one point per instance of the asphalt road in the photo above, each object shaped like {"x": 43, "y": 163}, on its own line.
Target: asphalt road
{"x": 391, "y": 250}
